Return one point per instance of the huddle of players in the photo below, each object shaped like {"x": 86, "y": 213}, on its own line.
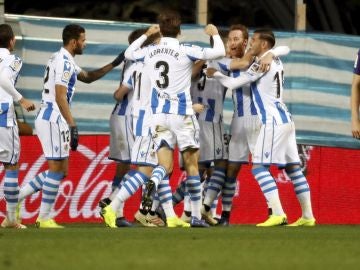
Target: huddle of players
{"x": 164, "y": 103}
{"x": 155, "y": 102}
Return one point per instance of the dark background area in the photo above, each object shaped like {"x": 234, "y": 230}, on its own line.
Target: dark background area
{"x": 340, "y": 16}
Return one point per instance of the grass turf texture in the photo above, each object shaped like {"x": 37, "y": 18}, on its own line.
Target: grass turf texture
{"x": 92, "y": 246}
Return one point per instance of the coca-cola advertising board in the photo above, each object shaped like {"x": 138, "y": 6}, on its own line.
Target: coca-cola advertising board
{"x": 332, "y": 173}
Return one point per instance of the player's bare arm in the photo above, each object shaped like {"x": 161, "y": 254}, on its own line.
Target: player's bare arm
{"x": 210, "y": 72}
{"x": 28, "y": 105}
{"x": 242, "y": 63}
{"x": 355, "y": 103}
{"x": 197, "y": 67}
{"x": 90, "y": 76}
{"x": 121, "y": 92}
{"x": 198, "y": 107}
{"x": 61, "y": 100}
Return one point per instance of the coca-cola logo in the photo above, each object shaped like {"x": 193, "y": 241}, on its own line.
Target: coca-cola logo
{"x": 89, "y": 180}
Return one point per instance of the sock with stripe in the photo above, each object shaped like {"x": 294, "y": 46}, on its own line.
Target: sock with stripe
{"x": 269, "y": 189}
{"x": 165, "y": 197}
{"x": 179, "y": 193}
{"x": 33, "y": 186}
{"x": 49, "y": 192}
{"x": 302, "y": 190}
{"x": 11, "y": 192}
{"x": 116, "y": 189}
{"x": 128, "y": 188}
{"x": 193, "y": 186}
{"x": 228, "y": 193}
{"x": 214, "y": 186}
{"x": 214, "y": 207}
{"x": 158, "y": 174}
{"x": 155, "y": 204}
{"x": 115, "y": 182}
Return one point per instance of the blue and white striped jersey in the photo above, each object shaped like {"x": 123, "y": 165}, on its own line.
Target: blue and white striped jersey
{"x": 210, "y": 93}
{"x": 124, "y": 107}
{"x": 242, "y": 98}
{"x": 267, "y": 91}
{"x": 61, "y": 69}
{"x": 141, "y": 101}
{"x": 10, "y": 65}
{"x": 169, "y": 65}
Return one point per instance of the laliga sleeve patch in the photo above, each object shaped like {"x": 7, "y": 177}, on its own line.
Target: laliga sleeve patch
{"x": 16, "y": 64}
{"x": 66, "y": 72}
{"x": 253, "y": 69}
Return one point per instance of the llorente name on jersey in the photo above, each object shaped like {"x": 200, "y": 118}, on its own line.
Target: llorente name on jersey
{"x": 168, "y": 51}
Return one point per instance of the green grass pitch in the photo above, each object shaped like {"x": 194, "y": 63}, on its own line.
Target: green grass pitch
{"x": 92, "y": 246}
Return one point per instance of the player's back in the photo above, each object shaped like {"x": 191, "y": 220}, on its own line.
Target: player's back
{"x": 169, "y": 67}
{"x": 210, "y": 93}
{"x": 124, "y": 107}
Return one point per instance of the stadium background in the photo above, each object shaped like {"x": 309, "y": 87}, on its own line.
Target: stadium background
{"x": 318, "y": 73}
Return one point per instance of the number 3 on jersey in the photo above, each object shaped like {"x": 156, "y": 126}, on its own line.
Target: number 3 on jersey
{"x": 163, "y": 81}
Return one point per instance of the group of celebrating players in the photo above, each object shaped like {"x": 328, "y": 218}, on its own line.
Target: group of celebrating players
{"x": 171, "y": 95}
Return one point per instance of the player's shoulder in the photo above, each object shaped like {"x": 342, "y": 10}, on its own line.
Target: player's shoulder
{"x": 189, "y": 46}
{"x": 222, "y": 64}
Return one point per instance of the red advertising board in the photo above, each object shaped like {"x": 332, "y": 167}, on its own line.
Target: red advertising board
{"x": 332, "y": 173}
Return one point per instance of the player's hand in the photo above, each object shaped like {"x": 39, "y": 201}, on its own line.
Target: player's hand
{"x": 198, "y": 107}
{"x": 74, "y": 138}
{"x": 211, "y": 30}
{"x": 118, "y": 60}
{"x": 210, "y": 72}
{"x": 355, "y": 128}
{"x": 27, "y": 104}
{"x": 265, "y": 62}
{"x": 153, "y": 29}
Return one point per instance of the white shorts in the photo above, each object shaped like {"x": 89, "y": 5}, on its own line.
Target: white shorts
{"x": 213, "y": 144}
{"x": 9, "y": 145}
{"x": 121, "y": 138}
{"x": 143, "y": 152}
{"x": 244, "y": 133}
{"x": 54, "y": 138}
{"x": 276, "y": 145}
{"x": 173, "y": 129}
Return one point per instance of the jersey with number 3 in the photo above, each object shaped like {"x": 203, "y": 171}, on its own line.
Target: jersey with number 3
{"x": 62, "y": 70}
{"x": 169, "y": 65}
